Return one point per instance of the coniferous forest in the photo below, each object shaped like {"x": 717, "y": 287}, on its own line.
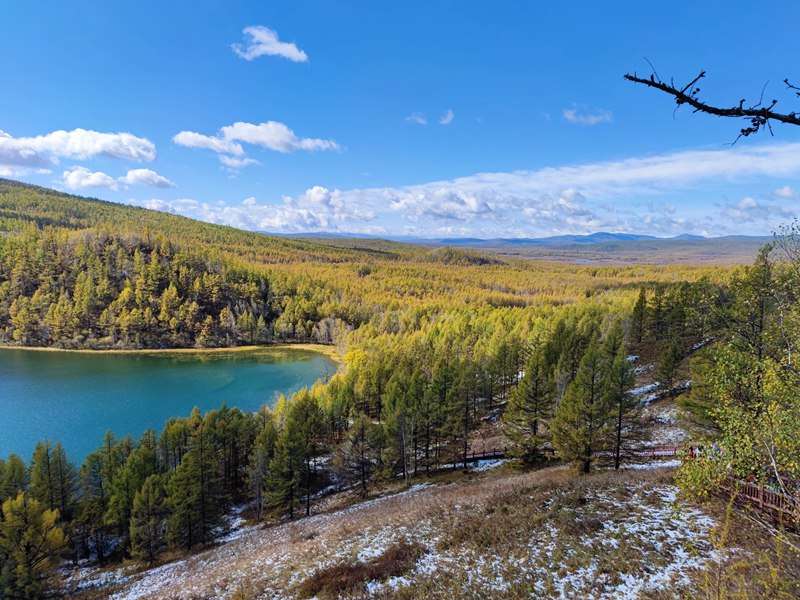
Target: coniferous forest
{"x": 434, "y": 342}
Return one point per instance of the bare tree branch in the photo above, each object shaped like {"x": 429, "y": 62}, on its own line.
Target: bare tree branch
{"x": 758, "y": 115}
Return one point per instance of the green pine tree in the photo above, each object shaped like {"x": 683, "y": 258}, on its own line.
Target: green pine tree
{"x": 139, "y": 465}
{"x": 306, "y": 417}
{"x": 53, "y": 480}
{"x": 94, "y": 535}
{"x": 668, "y": 365}
{"x": 14, "y": 477}
{"x": 284, "y": 472}
{"x": 356, "y": 457}
{"x": 149, "y": 519}
{"x": 194, "y": 494}
{"x": 624, "y": 406}
{"x": 582, "y": 420}
{"x": 30, "y": 545}
{"x": 259, "y": 465}
{"x": 530, "y": 409}
{"x": 639, "y": 316}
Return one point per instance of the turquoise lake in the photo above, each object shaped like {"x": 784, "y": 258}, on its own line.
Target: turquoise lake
{"x": 74, "y": 397}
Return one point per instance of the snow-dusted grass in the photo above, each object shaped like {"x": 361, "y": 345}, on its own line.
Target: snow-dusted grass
{"x": 495, "y": 533}
{"x": 614, "y": 539}
{"x": 666, "y": 424}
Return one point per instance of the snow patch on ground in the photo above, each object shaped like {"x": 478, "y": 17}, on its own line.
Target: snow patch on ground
{"x": 484, "y": 465}
{"x": 653, "y": 544}
{"x": 653, "y": 464}
{"x": 642, "y": 369}
{"x": 640, "y": 391}
{"x": 666, "y": 425}
{"x": 87, "y": 578}
{"x": 702, "y": 343}
{"x": 677, "y": 536}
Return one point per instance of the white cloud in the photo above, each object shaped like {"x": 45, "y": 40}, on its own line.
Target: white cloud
{"x": 181, "y": 206}
{"x": 635, "y": 194}
{"x": 43, "y": 151}
{"x": 264, "y": 42}
{"x": 750, "y": 210}
{"x": 145, "y": 177}
{"x": 447, "y": 118}
{"x": 271, "y": 135}
{"x": 78, "y": 178}
{"x": 580, "y": 198}
{"x": 786, "y": 193}
{"x": 316, "y": 209}
{"x": 15, "y": 171}
{"x": 747, "y": 203}
{"x": 235, "y": 163}
{"x": 156, "y": 204}
{"x": 416, "y": 119}
{"x": 319, "y": 195}
{"x": 190, "y": 139}
{"x": 587, "y": 117}
{"x": 274, "y": 136}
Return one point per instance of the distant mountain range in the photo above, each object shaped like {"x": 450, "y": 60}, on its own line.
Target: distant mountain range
{"x": 600, "y": 248}
{"x": 600, "y": 237}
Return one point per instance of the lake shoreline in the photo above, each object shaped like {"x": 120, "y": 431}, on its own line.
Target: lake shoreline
{"x": 331, "y": 352}
{"x": 76, "y": 396}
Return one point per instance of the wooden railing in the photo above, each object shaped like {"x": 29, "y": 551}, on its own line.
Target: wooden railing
{"x": 654, "y": 452}
{"x": 486, "y": 454}
{"x": 782, "y": 508}
{"x": 778, "y": 506}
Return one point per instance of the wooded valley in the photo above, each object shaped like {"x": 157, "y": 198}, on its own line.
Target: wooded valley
{"x": 435, "y": 344}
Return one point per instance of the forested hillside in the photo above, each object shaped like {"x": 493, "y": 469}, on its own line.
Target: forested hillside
{"x": 439, "y": 345}
{"x": 85, "y": 273}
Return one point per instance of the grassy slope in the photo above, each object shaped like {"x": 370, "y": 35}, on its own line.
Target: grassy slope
{"x": 495, "y": 534}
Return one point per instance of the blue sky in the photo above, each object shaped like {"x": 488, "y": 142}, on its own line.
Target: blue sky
{"x": 427, "y": 119}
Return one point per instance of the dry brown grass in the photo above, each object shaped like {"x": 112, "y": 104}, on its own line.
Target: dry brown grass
{"x": 753, "y": 558}
{"x": 348, "y": 578}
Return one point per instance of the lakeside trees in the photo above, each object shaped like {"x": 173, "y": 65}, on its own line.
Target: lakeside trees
{"x": 148, "y": 520}
{"x": 30, "y": 545}
{"x": 173, "y": 489}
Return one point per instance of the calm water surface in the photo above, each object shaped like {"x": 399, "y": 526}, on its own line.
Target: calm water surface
{"x": 75, "y": 397}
